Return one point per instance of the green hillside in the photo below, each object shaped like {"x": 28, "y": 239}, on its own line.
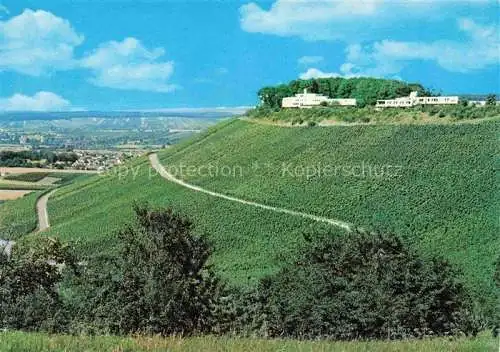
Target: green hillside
{"x": 443, "y": 196}
{"x": 440, "y": 193}
{"x": 248, "y": 241}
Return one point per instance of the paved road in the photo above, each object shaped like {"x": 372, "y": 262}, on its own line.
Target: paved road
{"x": 155, "y": 163}
{"x": 41, "y": 209}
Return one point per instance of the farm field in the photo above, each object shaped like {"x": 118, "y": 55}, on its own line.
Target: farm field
{"x": 444, "y": 200}
{"x": 18, "y": 196}
{"x": 36, "y": 342}
{"x": 12, "y": 194}
{"x": 40, "y": 179}
{"x": 30, "y": 170}
{"x": 18, "y": 217}
{"x": 7, "y": 185}
{"x": 27, "y": 177}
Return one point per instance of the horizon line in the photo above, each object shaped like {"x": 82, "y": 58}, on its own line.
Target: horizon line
{"x": 158, "y": 110}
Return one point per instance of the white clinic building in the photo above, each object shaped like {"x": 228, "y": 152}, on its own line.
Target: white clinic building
{"x": 309, "y": 100}
{"x": 414, "y": 100}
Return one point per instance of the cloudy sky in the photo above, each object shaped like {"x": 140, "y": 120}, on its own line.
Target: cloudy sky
{"x": 150, "y": 54}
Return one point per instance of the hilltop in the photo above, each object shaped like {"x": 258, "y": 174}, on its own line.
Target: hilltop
{"x": 363, "y": 93}
{"x": 370, "y": 115}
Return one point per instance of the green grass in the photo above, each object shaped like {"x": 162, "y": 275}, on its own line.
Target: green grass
{"x": 67, "y": 177}
{"x": 64, "y": 178}
{"x": 35, "y": 342}
{"x": 18, "y": 217}
{"x": 445, "y": 199}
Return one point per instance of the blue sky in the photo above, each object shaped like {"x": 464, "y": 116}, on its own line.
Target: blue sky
{"x": 124, "y": 54}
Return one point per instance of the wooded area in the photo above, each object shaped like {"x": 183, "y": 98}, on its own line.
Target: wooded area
{"x": 366, "y": 90}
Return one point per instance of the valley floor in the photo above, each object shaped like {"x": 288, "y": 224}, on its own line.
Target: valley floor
{"x": 35, "y": 342}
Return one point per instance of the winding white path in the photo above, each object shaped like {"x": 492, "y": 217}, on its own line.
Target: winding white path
{"x": 41, "y": 209}
{"x": 155, "y": 163}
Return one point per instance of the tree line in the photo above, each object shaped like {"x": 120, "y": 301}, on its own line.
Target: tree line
{"x": 366, "y": 90}
{"x": 355, "y": 285}
{"x": 26, "y": 157}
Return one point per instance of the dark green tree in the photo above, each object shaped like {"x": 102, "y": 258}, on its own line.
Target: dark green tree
{"x": 491, "y": 100}
{"x": 363, "y": 285}
{"x": 29, "y": 286}
{"x": 315, "y": 86}
{"x": 367, "y": 90}
{"x": 159, "y": 284}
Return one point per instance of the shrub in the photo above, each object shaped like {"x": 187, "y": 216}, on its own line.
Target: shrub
{"x": 29, "y": 279}
{"x": 159, "y": 284}
{"x": 363, "y": 285}
{"x": 491, "y": 100}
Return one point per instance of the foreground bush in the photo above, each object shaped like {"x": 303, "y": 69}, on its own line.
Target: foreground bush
{"x": 342, "y": 286}
{"x": 160, "y": 282}
{"x": 363, "y": 285}
{"x": 29, "y": 279}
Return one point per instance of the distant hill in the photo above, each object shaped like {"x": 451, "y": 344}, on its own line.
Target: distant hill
{"x": 66, "y": 115}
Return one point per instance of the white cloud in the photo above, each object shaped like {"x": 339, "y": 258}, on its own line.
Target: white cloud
{"x": 344, "y": 19}
{"x": 130, "y": 65}
{"x": 312, "y": 20}
{"x": 386, "y": 57}
{"x": 41, "y": 101}
{"x": 310, "y": 60}
{"x": 316, "y": 73}
{"x": 36, "y": 43}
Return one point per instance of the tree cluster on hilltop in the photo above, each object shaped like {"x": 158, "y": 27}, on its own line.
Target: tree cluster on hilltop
{"x": 366, "y": 90}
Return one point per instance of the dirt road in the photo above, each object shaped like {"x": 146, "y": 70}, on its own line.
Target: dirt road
{"x": 41, "y": 209}
{"x": 155, "y": 163}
